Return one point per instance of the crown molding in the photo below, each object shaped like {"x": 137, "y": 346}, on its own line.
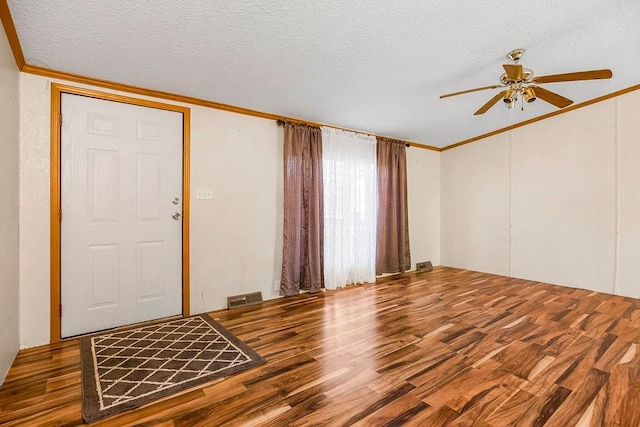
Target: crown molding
{"x": 12, "y": 34}
{"x": 61, "y": 75}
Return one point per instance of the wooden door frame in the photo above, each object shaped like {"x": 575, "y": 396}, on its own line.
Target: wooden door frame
{"x": 55, "y": 215}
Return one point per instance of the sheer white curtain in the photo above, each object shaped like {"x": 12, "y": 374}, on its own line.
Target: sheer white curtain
{"x": 350, "y": 204}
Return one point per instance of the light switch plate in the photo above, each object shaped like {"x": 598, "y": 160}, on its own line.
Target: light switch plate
{"x": 204, "y": 193}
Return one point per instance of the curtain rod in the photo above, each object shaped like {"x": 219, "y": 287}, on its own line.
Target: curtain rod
{"x": 281, "y": 122}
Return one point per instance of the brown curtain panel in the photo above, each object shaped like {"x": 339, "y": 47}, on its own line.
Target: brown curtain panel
{"x": 302, "y": 261}
{"x": 392, "y": 252}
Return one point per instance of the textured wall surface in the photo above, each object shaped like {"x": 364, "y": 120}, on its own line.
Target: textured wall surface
{"x": 35, "y": 99}
{"x": 564, "y": 207}
{"x": 475, "y": 205}
{"x": 236, "y": 238}
{"x": 563, "y": 200}
{"x": 9, "y": 304}
{"x": 628, "y": 189}
{"x": 423, "y": 193}
{"x": 374, "y": 66}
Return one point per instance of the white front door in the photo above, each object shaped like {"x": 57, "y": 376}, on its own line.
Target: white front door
{"x": 121, "y": 202}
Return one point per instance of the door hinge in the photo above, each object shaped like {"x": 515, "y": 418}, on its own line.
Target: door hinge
{"x": 60, "y": 215}
{"x": 60, "y": 119}
{"x": 60, "y": 309}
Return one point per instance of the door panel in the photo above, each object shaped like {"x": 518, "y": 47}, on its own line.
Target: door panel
{"x": 149, "y": 256}
{"x": 121, "y": 182}
{"x": 102, "y": 174}
{"x": 149, "y": 186}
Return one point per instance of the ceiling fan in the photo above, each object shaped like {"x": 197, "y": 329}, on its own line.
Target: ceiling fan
{"x": 519, "y": 81}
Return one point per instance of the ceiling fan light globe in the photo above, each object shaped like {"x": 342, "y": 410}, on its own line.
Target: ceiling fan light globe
{"x": 510, "y": 96}
{"x": 529, "y": 95}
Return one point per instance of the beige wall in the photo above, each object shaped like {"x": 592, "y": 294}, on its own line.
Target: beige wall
{"x": 423, "y": 193}
{"x": 627, "y": 273}
{"x": 556, "y": 201}
{"x": 564, "y": 199}
{"x": 475, "y": 206}
{"x": 236, "y": 238}
{"x": 9, "y": 305}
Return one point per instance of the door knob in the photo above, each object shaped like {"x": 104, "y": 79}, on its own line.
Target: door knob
{"x": 176, "y": 215}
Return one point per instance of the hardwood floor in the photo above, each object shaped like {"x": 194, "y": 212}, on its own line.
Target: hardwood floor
{"x": 447, "y": 347}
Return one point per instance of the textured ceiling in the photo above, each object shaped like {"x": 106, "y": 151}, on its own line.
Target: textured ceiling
{"x": 375, "y": 66}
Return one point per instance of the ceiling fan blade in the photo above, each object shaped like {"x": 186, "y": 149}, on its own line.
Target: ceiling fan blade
{"x": 491, "y": 103}
{"x": 552, "y": 97}
{"x": 514, "y": 71}
{"x": 469, "y": 90}
{"x": 569, "y": 77}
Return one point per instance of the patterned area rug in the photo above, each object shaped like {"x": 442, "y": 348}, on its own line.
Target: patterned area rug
{"x": 126, "y": 369}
